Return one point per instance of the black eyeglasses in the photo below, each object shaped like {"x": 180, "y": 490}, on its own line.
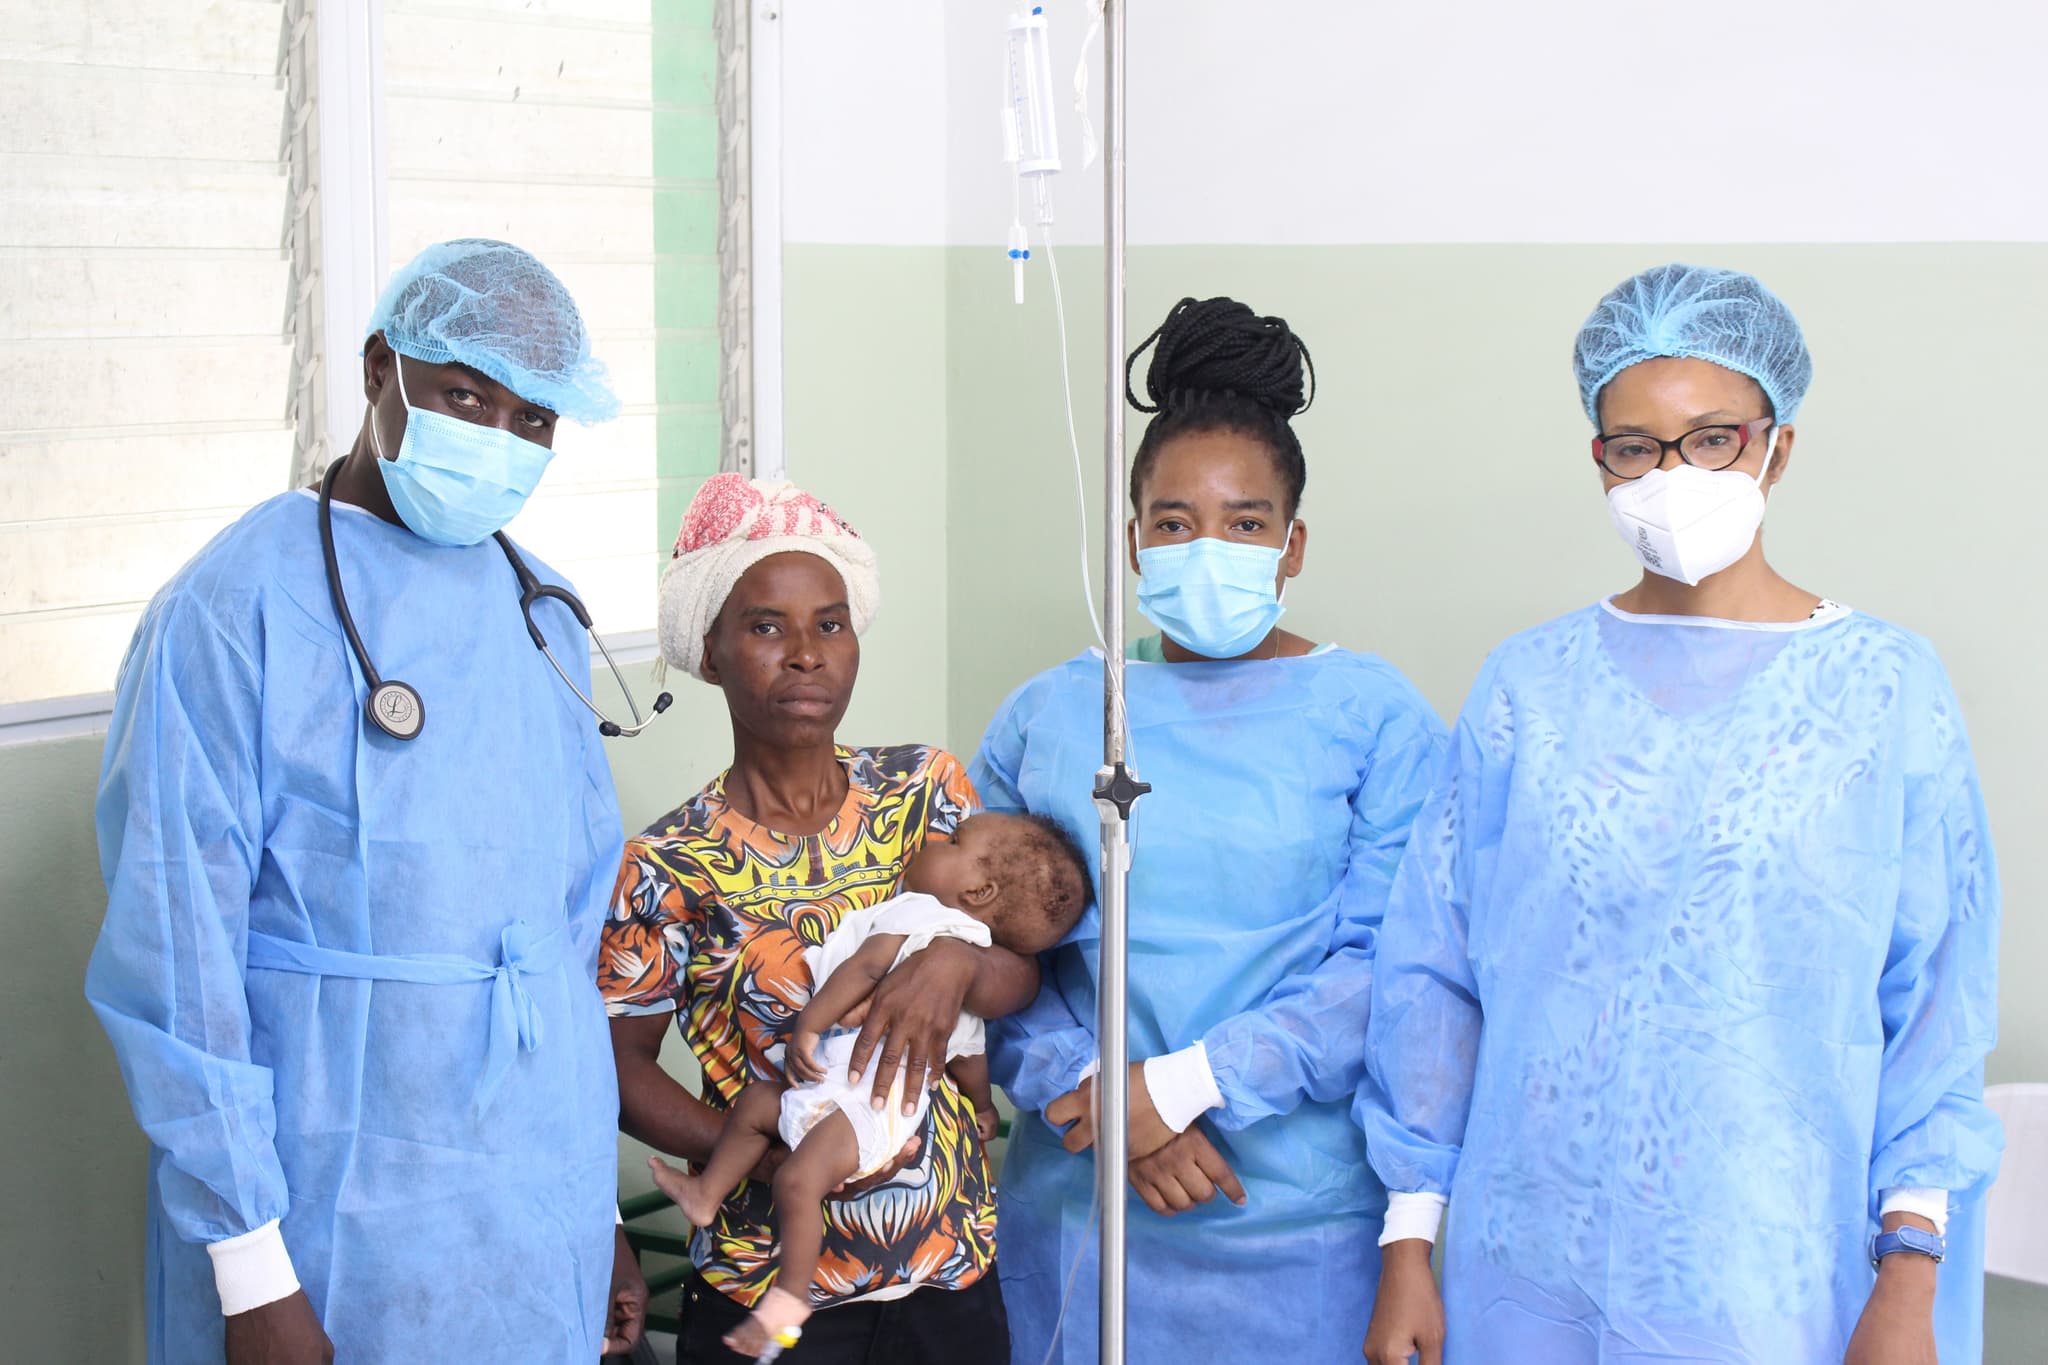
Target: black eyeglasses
{"x": 1632, "y": 455}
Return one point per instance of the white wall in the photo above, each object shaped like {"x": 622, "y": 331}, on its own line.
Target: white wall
{"x": 864, "y": 128}
{"x": 1341, "y": 122}
{"x": 864, "y": 343}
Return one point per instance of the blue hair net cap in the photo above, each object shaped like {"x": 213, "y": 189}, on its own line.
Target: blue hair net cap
{"x": 1698, "y": 313}
{"x": 498, "y": 310}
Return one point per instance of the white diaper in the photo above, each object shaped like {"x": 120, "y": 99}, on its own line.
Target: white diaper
{"x": 881, "y": 1133}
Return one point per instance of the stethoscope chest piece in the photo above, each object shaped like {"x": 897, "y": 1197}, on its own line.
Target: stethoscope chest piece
{"x": 396, "y": 709}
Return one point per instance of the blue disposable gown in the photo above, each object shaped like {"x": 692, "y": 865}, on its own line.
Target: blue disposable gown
{"x": 1283, "y": 794}
{"x": 442, "y": 1150}
{"x": 1723, "y": 899}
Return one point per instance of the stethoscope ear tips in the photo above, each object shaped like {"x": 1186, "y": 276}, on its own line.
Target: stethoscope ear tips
{"x": 611, "y": 729}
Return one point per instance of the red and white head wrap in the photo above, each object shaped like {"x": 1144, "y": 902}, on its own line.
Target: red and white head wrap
{"x": 733, "y": 524}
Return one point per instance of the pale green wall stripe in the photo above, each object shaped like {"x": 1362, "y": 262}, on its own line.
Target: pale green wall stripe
{"x": 1451, "y": 502}
{"x": 926, "y": 405}
{"x": 685, "y": 71}
{"x": 75, "y": 1177}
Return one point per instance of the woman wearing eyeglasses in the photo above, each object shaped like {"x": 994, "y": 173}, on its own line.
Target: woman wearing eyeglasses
{"x": 1684, "y": 991}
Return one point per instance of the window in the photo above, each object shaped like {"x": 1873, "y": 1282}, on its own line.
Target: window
{"x": 586, "y": 132}
{"x": 147, "y": 300}
{"x": 144, "y": 396}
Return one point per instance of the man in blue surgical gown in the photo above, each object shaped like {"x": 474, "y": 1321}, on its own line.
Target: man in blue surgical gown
{"x": 349, "y": 970}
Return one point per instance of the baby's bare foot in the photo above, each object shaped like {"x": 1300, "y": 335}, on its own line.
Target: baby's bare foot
{"x": 698, "y": 1202}
{"x": 777, "y": 1319}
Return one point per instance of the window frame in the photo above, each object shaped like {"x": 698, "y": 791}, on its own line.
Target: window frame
{"x": 750, "y": 126}
{"x": 346, "y": 48}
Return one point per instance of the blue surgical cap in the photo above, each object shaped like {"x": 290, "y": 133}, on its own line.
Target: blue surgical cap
{"x": 496, "y": 309}
{"x": 1698, "y": 313}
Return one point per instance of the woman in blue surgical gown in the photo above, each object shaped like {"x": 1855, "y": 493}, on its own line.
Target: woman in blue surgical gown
{"x": 1688, "y": 977}
{"x": 1285, "y": 778}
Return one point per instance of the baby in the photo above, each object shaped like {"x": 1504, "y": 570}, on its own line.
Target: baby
{"x": 1017, "y": 881}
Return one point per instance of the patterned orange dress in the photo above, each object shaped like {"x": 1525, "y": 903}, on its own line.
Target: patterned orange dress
{"x": 710, "y": 918}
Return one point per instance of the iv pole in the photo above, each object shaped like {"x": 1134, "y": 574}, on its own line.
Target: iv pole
{"x": 1116, "y": 789}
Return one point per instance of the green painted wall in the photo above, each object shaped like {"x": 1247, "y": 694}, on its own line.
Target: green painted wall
{"x": 1450, "y": 501}
{"x": 867, "y": 348}
{"x": 686, "y": 366}
{"x": 1444, "y": 513}
{"x": 73, "y": 1179}
{"x": 864, "y": 364}
{"x": 73, "y": 1182}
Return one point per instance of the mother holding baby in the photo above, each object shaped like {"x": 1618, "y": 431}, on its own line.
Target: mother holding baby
{"x": 766, "y": 598}
{"x": 1286, "y": 774}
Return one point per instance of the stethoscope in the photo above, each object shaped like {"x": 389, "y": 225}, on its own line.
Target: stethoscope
{"x": 396, "y": 709}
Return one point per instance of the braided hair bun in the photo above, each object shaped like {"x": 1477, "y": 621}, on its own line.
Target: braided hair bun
{"x": 1219, "y": 367}
{"x": 1221, "y": 348}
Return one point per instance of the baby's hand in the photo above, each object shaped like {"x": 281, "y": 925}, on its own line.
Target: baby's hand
{"x": 800, "y": 1057}
{"x": 986, "y": 1122}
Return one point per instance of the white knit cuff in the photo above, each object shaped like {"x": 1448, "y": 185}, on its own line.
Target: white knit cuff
{"x": 252, "y": 1270}
{"x": 1182, "y": 1086}
{"x": 1413, "y": 1216}
{"x": 1929, "y": 1204}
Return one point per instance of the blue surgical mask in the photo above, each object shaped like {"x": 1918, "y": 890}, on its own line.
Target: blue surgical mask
{"x": 457, "y": 482}
{"x": 1213, "y": 597}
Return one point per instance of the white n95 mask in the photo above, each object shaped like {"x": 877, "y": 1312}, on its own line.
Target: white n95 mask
{"x": 1689, "y": 523}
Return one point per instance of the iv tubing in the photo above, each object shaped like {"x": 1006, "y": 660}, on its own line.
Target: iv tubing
{"x": 1059, "y": 309}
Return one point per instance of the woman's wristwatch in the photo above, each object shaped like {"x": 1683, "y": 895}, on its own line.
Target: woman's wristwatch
{"x": 1910, "y": 1240}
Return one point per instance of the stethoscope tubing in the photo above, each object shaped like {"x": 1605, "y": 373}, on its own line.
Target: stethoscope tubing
{"x": 341, "y": 611}
{"x": 531, "y": 590}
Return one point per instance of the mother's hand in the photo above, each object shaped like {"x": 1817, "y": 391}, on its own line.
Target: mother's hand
{"x": 910, "y": 1016}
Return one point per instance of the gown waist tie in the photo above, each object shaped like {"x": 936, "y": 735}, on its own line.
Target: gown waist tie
{"x": 515, "y": 1019}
